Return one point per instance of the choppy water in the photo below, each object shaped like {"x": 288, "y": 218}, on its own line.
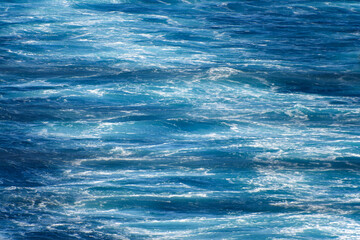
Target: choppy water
{"x": 191, "y": 119}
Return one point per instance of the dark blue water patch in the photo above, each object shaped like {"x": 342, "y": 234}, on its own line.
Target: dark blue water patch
{"x": 326, "y": 83}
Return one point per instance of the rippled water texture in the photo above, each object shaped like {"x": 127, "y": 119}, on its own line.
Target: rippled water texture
{"x": 167, "y": 119}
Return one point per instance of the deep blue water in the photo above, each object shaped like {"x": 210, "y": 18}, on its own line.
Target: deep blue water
{"x": 167, "y": 119}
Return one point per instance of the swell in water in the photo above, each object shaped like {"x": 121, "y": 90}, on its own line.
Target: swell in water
{"x": 193, "y": 119}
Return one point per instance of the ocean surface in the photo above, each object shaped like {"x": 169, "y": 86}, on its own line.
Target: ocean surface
{"x": 170, "y": 119}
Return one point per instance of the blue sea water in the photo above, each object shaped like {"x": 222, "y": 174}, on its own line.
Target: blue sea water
{"x": 179, "y": 119}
